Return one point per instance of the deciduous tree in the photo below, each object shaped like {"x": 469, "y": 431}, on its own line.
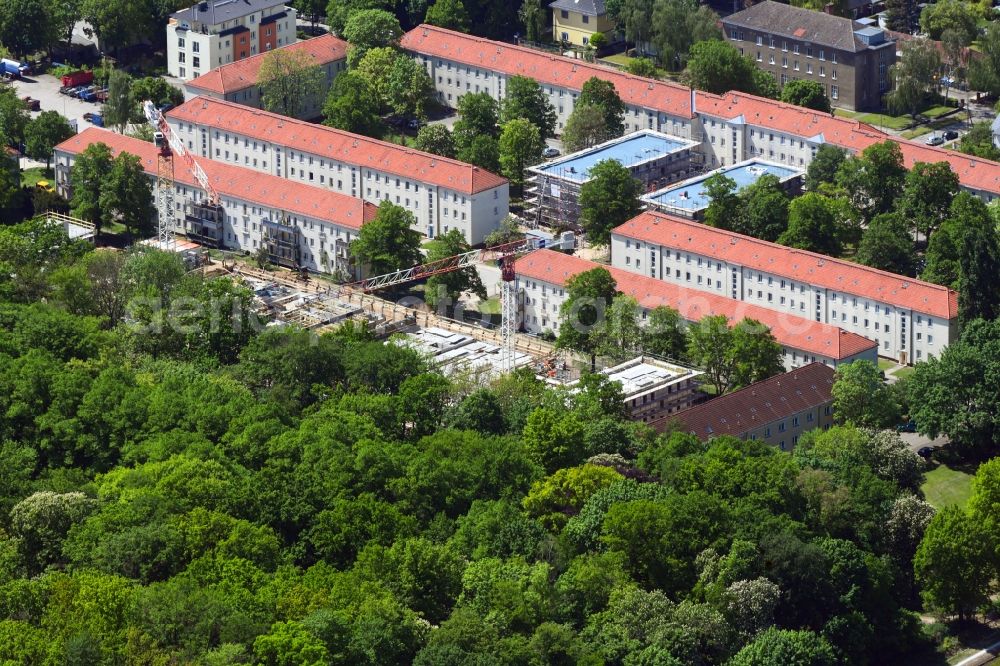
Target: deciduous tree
{"x": 43, "y": 133}
{"x": 367, "y": 29}
{"x": 288, "y": 81}
{"x": 450, "y": 285}
{"x": 127, "y": 194}
{"x": 588, "y": 296}
{"x": 602, "y": 94}
{"x": 874, "y": 180}
{"x": 118, "y": 109}
{"x": 520, "y": 146}
{"x": 585, "y": 127}
{"x": 913, "y": 75}
{"x": 525, "y": 99}
{"x": 806, "y": 93}
{"x": 607, "y": 200}
{"x": 861, "y": 397}
{"x": 449, "y": 14}
{"x": 887, "y": 245}
{"x": 677, "y": 25}
{"x": 955, "y": 563}
{"x": 435, "y": 139}
{"x": 927, "y": 196}
{"x": 389, "y": 242}
{"x": 353, "y": 106}
{"x": 812, "y": 225}
{"x": 90, "y": 170}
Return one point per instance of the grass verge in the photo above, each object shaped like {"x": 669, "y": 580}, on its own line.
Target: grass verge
{"x": 944, "y": 486}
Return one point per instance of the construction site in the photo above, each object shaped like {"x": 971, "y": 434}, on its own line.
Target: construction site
{"x": 655, "y": 159}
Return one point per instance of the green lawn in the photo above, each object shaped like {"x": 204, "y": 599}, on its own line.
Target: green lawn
{"x": 903, "y": 373}
{"x": 945, "y": 486}
{"x": 623, "y": 60}
{"x": 877, "y": 119}
{"x": 31, "y": 176}
{"x": 937, "y": 111}
{"x": 884, "y": 364}
{"x": 490, "y": 306}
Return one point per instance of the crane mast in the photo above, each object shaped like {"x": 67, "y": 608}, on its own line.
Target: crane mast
{"x": 170, "y": 145}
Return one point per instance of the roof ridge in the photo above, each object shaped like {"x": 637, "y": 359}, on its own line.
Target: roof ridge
{"x": 785, "y": 248}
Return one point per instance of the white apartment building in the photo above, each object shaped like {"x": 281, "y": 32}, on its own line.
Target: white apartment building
{"x": 541, "y": 281}
{"x": 213, "y": 33}
{"x": 301, "y": 226}
{"x": 460, "y": 64}
{"x": 731, "y": 128}
{"x": 443, "y": 194}
{"x": 237, "y": 81}
{"x": 910, "y": 320}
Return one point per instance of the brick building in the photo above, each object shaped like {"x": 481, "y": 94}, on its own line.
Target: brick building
{"x": 849, "y": 60}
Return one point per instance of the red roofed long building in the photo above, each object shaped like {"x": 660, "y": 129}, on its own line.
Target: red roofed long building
{"x": 237, "y": 81}
{"x": 542, "y": 277}
{"x": 910, "y": 320}
{"x": 258, "y": 207}
{"x": 777, "y": 410}
{"x": 443, "y": 194}
{"x": 731, "y": 128}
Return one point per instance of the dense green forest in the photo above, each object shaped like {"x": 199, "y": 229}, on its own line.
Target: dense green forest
{"x": 181, "y": 486}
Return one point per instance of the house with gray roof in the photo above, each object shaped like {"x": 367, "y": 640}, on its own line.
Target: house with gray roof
{"x": 574, "y": 22}
{"x": 214, "y": 33}
{"x": 850, "y": 60}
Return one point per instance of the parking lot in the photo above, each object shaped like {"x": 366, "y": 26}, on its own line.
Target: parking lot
{"x": 45, "y": 89}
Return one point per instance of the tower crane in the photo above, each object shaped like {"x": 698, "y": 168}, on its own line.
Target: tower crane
{"x": 170, "y": 145}
{"x": 505, "y": 254}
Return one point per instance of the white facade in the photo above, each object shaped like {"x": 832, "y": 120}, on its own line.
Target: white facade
{"x": 437, "y": 209}
{"x": 540, "y": 303}
{"x": 195, "y": 47}
{"x": 319, "y": 240}
{"x": 902, "y": 333}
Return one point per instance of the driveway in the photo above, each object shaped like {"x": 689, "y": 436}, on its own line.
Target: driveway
{"x": 45, "y": 89}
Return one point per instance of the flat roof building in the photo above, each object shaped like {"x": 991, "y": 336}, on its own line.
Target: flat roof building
{"x": 910, "y": 320}
{"x": 300, "y": 225}
{"x": 689, "y": 198}
{"x": 442, "y": 193}
{"x": 541, "y": 281}
{"x": 456, "y": 353}
{"x": 238, "y": 81}
{"x": 651, "y": 157}
{"x": 654, "y": 388}
{"x": 776, "y": 411}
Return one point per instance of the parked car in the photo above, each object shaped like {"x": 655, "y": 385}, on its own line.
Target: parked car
{"x": 909, "y": 426}
{"x": 926, "y": 452}
{"x": 414, "y": 123}
{"x": 94, "y": 118}
{"x": 935, "y": 140}
{"x": 550, "y": 152}
{"x": 950, "y": 135}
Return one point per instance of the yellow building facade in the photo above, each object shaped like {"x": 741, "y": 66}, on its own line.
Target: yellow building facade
{"x": 574, "y": 22}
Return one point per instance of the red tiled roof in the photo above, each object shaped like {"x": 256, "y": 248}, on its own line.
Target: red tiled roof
{"x": 756, "y": 405}
{"x": 546, "y": 68}
{"x": 973, "y": 172}
{"x": 788, "y": 329}
{"x": 798, "y": 265}
{"x": 243, "y": 73}
{"x": 239, "y": 183}
{"x": 336, "y": 144}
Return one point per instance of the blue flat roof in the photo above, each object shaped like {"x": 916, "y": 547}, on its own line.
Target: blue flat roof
{"x": 690, "y": 196}
{"x": 630, "y": 150}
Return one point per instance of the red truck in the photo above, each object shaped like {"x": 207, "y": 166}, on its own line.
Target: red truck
{"x": 77, "y": 79}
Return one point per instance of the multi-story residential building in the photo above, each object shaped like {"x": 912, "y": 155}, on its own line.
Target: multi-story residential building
{"x": 849, "y": 60}
{"x": 237, "y": 81}
{"x": 217, "y": 32}
{"x": 458, "y": 64}
{"x": 689, "y": 198}
{"x": 731, "y": 127}
{"x": 654, "y": 388}
{"x": 442, "y": 193}
{"x": 776, "y": 411}
{"x": 910, "y": 320}
{"x": 574, "y": 22}
{"x": 541, "y": 282}
{"x": 652, "y": 158}
{"x": 301, "y": 226}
